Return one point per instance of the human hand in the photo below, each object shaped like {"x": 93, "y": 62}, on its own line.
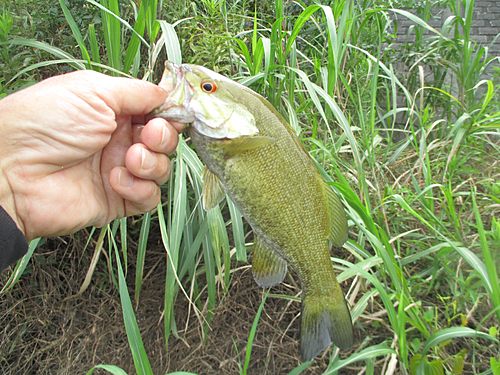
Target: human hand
{"x": 76, "y": 151}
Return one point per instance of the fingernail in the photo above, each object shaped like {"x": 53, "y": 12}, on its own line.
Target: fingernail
{"x": 147, "y": 160}
{"x": 125, "y": 179}
{"x": 165, "y": 135}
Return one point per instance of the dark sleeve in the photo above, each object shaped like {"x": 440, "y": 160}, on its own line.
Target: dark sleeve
{"x": 13, "y": 244}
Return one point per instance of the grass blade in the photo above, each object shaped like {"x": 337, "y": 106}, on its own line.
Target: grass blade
{"x": 370, "y": 352}
{"x": 297, "y": 370}
{"x": 488, "y": 259}
{"x": 112, "y": 31}
{"x": 248, "y": 353}
{"x": 76, "y": 32}
{"x": 139, "y": 355}
{"x": 110, "y": 368}
{"x": 299, "y": 23}
{"x": 134, "y": 45}
{"x": 172, "y": 44}
{"x": 20, "y": 266}
{"x": 94, "y": 47}
{"x": 57, "y": 52}
{"x": 238, "y": 232}
{"x": 177, "y": 227}
{"x": 141, "y": 253}
{"x": 449, "y": 334}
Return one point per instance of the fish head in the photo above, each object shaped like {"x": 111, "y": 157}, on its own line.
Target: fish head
{"x": 206, "y": 99}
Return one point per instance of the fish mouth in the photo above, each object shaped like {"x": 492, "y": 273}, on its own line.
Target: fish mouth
{"x": 176, "y": 106}
{"x": 172, "y": 75}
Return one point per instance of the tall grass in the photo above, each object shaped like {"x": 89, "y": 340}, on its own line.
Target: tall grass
{"x": 418, "y": 209}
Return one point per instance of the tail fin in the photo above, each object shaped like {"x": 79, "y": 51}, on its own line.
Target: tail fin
{"x": 324, "y": 320}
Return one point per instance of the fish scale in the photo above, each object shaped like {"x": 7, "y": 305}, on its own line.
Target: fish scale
{"x": 253, "y": 153}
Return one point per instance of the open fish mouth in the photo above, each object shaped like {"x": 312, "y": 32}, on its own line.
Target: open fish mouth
{"x": 176, "y": 107}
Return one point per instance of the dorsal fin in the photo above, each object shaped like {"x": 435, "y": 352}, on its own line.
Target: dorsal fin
{"x": 213, "y": 191}
{"x": 338, "y": 230}
{"x": 268, "y": 267}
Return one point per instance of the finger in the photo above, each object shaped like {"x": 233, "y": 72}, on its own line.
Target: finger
{"x": 125, "y": 96}
{"x": 140, "y": 195}
{"x": 136, "y": 133}
{"x": 159, "y": 135}
{"x": 148, "y": 165}
{"x": 179, "y": 126}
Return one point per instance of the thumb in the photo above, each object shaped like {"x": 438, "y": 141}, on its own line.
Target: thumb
{"x": 125, "y": 96}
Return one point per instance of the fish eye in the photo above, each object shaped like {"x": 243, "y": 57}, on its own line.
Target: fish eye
{"x": 209, "y": 86}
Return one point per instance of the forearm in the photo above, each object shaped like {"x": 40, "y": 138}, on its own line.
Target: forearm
{"x": 13, "y": 244}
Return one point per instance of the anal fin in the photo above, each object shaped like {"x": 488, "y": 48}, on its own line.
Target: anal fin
{"x": 268, "y": 267}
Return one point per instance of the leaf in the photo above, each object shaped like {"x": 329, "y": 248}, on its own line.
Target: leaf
{"x": 76, "y": 31}
{"x": 297, "y": 370}
{"x": 414, "y": 362}
{"x": 446, "y": 334}
{"x": 59, "y": 53}
{"x": 139, "y": 355}
{"x": 94, "y": 47}
{"x": 93, "y": 264}
{"x": 121, "y": 20}
{"x": 418, "y": 21}
{"x": 112, "y": 31}
{"x": 459, "y": 362}
{"x": 141, "y": 253}
{"x": 450, "y": 333}
{"x": 491, "y": 273}
{"x": 301, "y": 20}
{"x": 493, "y": 331}
{"x": 20, "y": 266}
{"x": 252, "y": 333}
{"x": 133, "y": 47}
{"x": 495, "y": 366}
{"x": 435, "y": 368}
{"x": 370, "y": 352}
{"x": 172, "y": 45}
{"x": 238, "y": 232}
{"x": 111, "y": 368}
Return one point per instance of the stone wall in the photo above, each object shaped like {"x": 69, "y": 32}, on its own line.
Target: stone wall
{"x": 485, "y": 24}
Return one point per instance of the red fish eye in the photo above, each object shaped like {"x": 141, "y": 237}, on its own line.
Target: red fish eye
{"x": 209, "y": 86}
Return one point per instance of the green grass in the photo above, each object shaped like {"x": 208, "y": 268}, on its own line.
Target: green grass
{"x": 423, "y": 248}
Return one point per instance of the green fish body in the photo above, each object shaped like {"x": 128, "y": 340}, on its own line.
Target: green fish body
{"x": 254, "y": 154}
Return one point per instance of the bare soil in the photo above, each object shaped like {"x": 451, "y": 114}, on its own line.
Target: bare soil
{"x": 42, "y": 332}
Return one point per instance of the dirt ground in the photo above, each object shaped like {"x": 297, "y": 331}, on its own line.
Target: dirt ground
{"x": 42, "y": 333}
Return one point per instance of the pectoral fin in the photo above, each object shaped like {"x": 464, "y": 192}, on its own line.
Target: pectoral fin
{"x": 238, "y": 145}
{"x": 268, "y": 267}
{"x": 338, "y": 231}
{"x": 213, "y": 192}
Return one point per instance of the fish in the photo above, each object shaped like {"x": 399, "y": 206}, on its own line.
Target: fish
{"x": 252, "y": 154}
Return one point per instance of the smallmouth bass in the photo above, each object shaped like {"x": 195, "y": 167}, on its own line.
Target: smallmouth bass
{"x": 252, "y": 153}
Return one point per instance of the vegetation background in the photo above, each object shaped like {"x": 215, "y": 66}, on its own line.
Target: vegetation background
{"x": 408, "y": 135}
